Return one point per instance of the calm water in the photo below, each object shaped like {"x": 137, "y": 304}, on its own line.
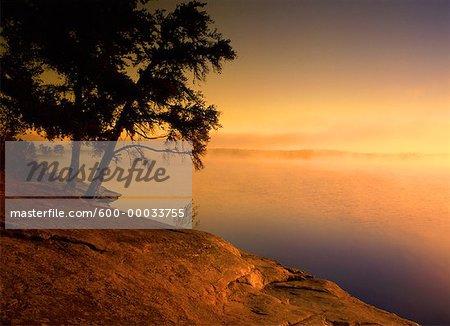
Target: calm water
{"x": 380, "y": 229}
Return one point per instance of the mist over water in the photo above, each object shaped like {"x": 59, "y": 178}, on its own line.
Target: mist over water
{"x": 377, "y": 225}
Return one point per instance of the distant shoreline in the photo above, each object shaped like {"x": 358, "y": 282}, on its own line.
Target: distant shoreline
{"x": 318, "y": 153}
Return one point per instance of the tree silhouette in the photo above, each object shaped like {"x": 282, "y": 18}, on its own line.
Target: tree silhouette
{"x": 97, "y": 70}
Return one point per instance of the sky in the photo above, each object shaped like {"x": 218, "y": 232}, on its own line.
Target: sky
{"x": 352, "y": 75}
{"x": 366, "y": 76}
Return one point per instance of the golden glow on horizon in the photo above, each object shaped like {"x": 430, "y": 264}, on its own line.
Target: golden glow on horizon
{"x": 371, "y": 77}
{"x": 361, "y": 76}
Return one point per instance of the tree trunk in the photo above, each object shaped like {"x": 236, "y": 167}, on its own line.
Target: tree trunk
{"x": 74, "y": 166}
{"x": 99, "y": 174}
{"x": 109, "y": 152}
{"x": 76, "y": 145}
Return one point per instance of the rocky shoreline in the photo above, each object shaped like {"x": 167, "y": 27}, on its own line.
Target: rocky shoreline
{"x": 163, "y": 277}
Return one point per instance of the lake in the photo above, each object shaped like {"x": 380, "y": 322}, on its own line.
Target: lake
{"x": 377, "y": 226}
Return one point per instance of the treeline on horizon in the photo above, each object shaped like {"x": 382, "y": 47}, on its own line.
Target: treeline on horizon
{"x": 307, "y": 154}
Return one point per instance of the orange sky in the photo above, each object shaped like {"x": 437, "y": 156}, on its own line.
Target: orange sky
{"x": 355, "y": 75}
{"x": 370, "y": 76}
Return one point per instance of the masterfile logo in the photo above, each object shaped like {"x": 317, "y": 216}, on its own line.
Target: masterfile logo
{"x": 98, "y": 184}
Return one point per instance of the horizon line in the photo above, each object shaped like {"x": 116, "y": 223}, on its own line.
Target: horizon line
{"x": 337, "y": 151}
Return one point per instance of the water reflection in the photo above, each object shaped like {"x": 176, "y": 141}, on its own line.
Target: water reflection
{"x": 377, "y": 227}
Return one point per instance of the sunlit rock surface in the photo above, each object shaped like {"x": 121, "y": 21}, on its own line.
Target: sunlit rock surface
{"x": 162, "y": 277}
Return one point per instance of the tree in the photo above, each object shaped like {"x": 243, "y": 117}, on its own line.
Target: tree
{"x": 52, "y": 61}
{"x": 44, "y": 149}
{"x": 58, "y": 149}
{"x": 120, "y": 69}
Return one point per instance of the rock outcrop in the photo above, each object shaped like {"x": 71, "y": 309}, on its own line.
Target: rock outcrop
{"x": 118, "y": 277}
